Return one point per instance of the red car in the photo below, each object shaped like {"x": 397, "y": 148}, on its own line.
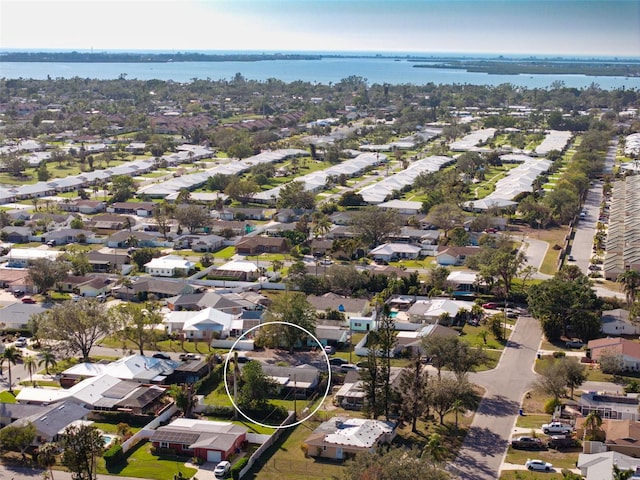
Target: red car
{"x": 490, "y": 305}
{"x": 28, "y": 300}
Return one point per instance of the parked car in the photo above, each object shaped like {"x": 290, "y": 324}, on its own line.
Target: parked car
{"x": 337, "y": 361}
{"x": 556, "y": 427}
{"x": 527, "y": 443}
{"x": 101, "y": 298}
{"x": 18, "y": 293}
{"x": 188, "y": 356}
{"x": 329, "y": 350}
{"x": 21, "y": 342}
{"x": 490, "y": 305}
{"x": 348, "y": 367}
{"x": 538, "y": 465}
{"x": 558, "y": 442}
{"x": 51, "y": 243}
{"x": 28, "y": 300}
{"x": 575, "y": 343}
{"x": 162, "y": 356}
{"x": 570, "y": 258}
{"x": 222, "y": 469}
{"x": 75, "y": 297}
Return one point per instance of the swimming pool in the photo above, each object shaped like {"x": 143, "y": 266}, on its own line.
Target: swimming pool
{"x": 107, "y": 440}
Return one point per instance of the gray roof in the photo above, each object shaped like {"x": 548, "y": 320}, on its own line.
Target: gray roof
{"x": 55, "y": 418}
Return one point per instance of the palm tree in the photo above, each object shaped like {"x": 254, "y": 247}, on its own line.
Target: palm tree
{"x": 11, "y": 355}
{"x": 630, "y": 280}
{"x": 47, "y": 457}
{"x": 30, "y": 364}
{"x": 619, "y": 474}
{"x": 592, "y": 425}
{"x": 435, "y": 448}
{"x": 458, "y": 407}
{"x": 48, "y": 360}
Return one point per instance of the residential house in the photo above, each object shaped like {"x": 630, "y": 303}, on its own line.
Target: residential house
{"x": 628, "y": 350}
{"x": 161, "y": 288}
{"x": 204, "y": 324}
{"x": 259, "y": 244}
{"x": 219, "y": 227}
{"x": 136, "y": 368}
{"x": 362, "y": 324}
{"x": 50, "y": 421}
{"x": 107, "y": 260}
{"x": 86, "y": 207}
{"x": 122, "y": 239}
{"x": 22, "y": 257}
{"x": 333, "y": 335}
{"x": 454, "y": 255}
{"x": 199, "y": 243}
{"x": 204, "y": 439}
{"x": 16, "y": 315}
{"x": 169, "y": 266}
{"x": 389, "y": 252}
{"x": 410, "y": 342}
{"x": 402, "y": 206}
{"x": 615, "y": 407}
{"x": 349, "y": 306}
{"x": 85, "y": 286}
{"x": 320, "y": 247}
{"x": 100, "y": 392}
{"x": 13, "y": 234}
{"x": 464, "y": 282}
{"x": 200, "y": 301}
{"x": 63, "y": 236}
{"x": 302, "y": 380}
{"x": 10, "y": 412}
{"x": 617, "y": 322}
{"x": 141, "y": 209}
{"x": 600, "y": 466}
{"x": 189, "y": 372}
{"x": 341, "y": 437}
{"x": 240, "y": 270}
{"x": 107, "y": 224}
{"x": 14, "y": 279}
{"x": 621, "y": 436}
{"x": 239, "y": 213}
{"x": 415, "y": 236}
{"x": 432, "y": 310}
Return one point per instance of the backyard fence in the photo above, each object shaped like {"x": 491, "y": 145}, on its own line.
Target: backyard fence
{"x": 256, "y": 455}
{"x": 148, "y": 430}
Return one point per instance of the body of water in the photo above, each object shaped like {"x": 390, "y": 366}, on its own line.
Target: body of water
{"x": 325, "y": 71}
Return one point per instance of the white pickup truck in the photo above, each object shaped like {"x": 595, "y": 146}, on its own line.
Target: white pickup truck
{"x": 556, "y": 427}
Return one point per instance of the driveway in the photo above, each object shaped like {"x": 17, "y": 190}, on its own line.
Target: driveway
{"x": 485, "y": 445}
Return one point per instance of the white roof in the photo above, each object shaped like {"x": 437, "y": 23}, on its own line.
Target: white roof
{"x": 33, "y": 253}
{"x": 462, "y": 276}
{"x": 239, "y": 266}
{"x": 202, "y": 319}
{"x": 170, "y": 261}
{"x": 359, "y": 432}
{"x": 391, "y": 248}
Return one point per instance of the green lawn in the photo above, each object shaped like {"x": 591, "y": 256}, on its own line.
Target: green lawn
{"x": 8, "y": 397}
{"x": 142, "y": 464}
{"x": 226, "y": 253}
{"x": 112, "y": 428}
{"x": 535, "y": 420}
{"x": 564, "y": 459}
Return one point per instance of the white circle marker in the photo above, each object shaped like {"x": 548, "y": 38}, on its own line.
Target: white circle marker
{"x": 226, "y": 385}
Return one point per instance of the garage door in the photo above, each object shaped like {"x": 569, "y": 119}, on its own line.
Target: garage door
{"x": 213, "y": 456}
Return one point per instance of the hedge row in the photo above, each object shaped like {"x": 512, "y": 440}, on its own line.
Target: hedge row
{"x": 240, "y": 464}
{"x": 113, "y": 456}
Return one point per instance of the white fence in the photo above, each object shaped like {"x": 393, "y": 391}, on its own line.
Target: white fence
{"x": 148, "y": 430}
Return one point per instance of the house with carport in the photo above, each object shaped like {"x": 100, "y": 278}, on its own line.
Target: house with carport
{"x": 169, "y": 266}
{"x": 389, "y": 252}
{"x": 206, "y": 324}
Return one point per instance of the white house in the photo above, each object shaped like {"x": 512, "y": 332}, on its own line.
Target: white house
{"x": 394, "y": 251}
{"x": 616, "y": 322}
{"x": 430, "y": 311}
{"x": 169, "y": 266}
{"x": 203, "y": 324}
{"x": 22, "y": 257}
{"x": 402, "y": 206}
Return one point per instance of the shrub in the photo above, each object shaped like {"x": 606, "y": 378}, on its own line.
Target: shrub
{"x": 113, "y": 456}
{"x": 559, "y": 354}
{"x": 551, "y": 405}
{"x": 240, "y": 464}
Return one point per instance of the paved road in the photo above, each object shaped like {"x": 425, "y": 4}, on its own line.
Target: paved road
{"x": 486, "y": 443}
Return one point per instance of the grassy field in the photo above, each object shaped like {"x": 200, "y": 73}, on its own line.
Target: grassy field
{"x": 142, "y": 464}
{"x": 526, "y": 475}
{"x": 8, "y": 397}
{"x": 564, "y": 459}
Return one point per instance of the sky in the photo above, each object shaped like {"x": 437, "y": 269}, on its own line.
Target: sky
{"x": 537, "y": 27}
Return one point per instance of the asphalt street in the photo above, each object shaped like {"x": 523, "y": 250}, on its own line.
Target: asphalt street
{"x": 485, "y": 445}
